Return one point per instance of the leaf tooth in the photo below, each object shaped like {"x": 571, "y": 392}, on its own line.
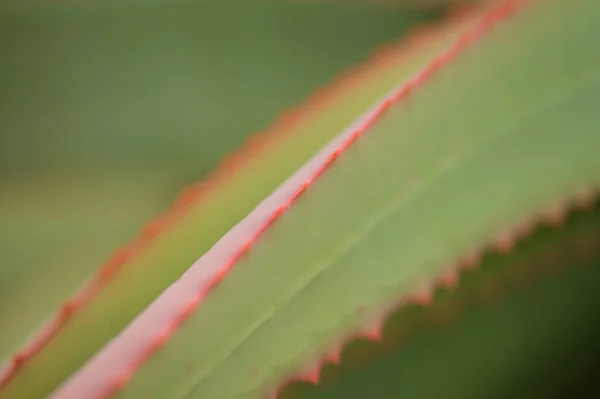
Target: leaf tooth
{"x": 188, "y": 196}
{"x": 387, "y": 104}
{"x": 310, "y": 374}
{"x": 163, "y": 336}
{"x": 155, "y": 227}
{"x": 314, "y": 375}
{"x": 505, "y": 242}
{"x": 67, "y": 309}
{"x": 19, "y": 359}
{"x": 120, "y": 381}
{"x": 423, "y": 297}
{"x": 372, "y": 333}
{"x": 334, "y": 356}
{"x": 449, "y": 279}
{"x": 525, "y": 228}
{"x": 556, "y": 214}
{"x": 289, "y": 117}
{"x": 192, "y": 304}
{"x": 472, "y": 259}
{"x": 119, "y": 257}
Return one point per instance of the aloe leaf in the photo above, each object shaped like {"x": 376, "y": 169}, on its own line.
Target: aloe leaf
{"x": 493, "y": 133}
{"x": 121, "y": 103}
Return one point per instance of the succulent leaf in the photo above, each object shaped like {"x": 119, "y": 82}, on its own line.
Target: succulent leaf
{"x": 457, "y": 161}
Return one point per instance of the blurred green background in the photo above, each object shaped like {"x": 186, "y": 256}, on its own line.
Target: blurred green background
{"x": 108, "y": 109}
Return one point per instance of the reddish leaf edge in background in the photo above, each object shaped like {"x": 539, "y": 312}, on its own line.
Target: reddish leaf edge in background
{"x": 110, "y": 370}
{"x": 382, "y": 58}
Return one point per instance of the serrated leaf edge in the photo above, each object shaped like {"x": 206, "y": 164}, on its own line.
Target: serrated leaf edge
{"x": 554, "y": 216}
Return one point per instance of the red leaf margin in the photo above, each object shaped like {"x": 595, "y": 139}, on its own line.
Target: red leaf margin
{"x": 115, "y": 365}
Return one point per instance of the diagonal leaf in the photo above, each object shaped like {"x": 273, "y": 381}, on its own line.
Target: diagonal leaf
{"x": 492, "y": 134}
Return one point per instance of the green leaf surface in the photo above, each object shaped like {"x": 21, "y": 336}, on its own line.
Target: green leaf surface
{"x": 503, "y": 132}
{"x": 527, "y": 343}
